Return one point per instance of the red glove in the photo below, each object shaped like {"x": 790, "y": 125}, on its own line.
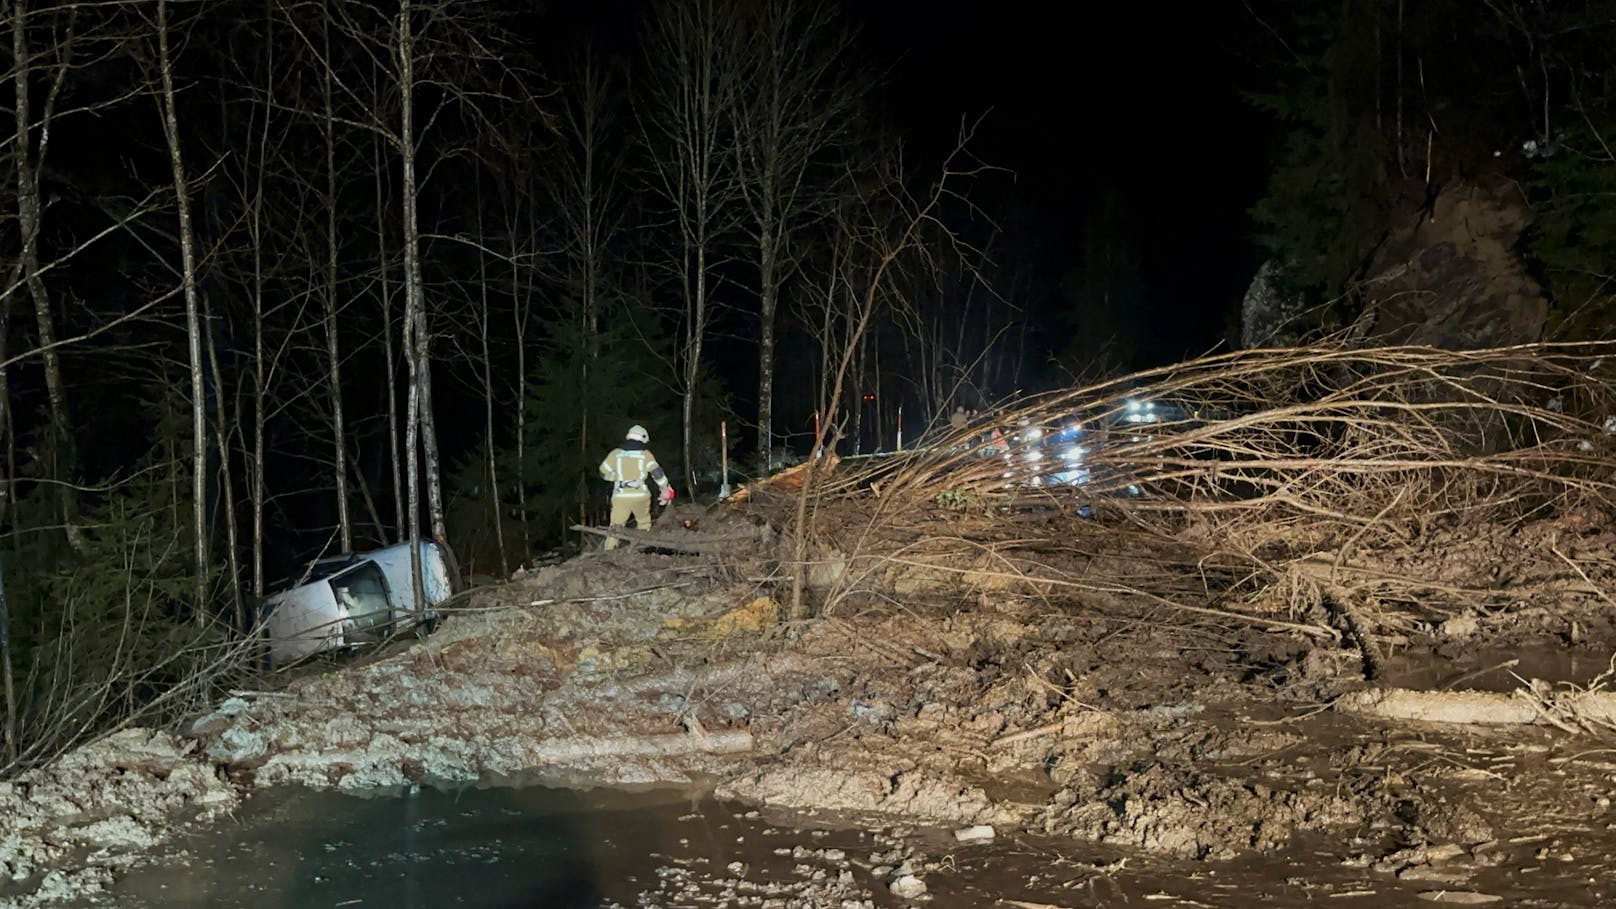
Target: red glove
{"x": 667, "y": 496}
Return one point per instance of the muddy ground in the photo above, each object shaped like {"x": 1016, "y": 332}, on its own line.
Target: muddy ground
{"x": 1141, "y": 729}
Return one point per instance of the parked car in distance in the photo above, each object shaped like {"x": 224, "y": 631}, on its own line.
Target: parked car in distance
{"x": 346, "y": 601}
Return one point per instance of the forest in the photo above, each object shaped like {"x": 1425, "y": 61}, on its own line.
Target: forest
{"x": 289, "y": 279}
{"x": 300, "y": 277}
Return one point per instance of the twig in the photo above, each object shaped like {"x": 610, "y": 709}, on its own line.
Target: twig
{"x": 1028, "y": 734}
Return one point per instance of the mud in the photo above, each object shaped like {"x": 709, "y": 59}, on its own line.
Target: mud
{"x": 1099, "y": 730}
{"x": 71, "y": 828}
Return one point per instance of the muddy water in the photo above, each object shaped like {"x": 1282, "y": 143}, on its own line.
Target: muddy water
{"x": 1498, "y": 669}
{"x": 544, "y": 847}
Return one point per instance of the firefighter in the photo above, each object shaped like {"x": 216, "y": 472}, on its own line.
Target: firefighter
{"x": 629, "y": 468}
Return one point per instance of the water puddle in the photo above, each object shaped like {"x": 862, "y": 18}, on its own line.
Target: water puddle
{"x": 1496, "y": 669}
{"x": 559, "y": 848}
{"x": 486, "y": 847}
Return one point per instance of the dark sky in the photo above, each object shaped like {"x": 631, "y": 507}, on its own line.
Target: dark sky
{"x": 1142, "y": 99}
{"x": 1083, "y": 98}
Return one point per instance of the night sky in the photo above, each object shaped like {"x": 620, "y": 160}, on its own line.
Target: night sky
{"x": 1076, "y": 102}
{"x": 1119, "y": 97}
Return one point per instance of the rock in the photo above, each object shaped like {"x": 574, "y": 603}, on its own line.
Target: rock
{"x": 1450, "y": 276}
{"x": 1430, "y": 873}
{"x": 1267, "y": 312}
{"x": 908, "y": 887}
{"x": 755, "y": 617}
{"x": 238, "y": 745}
{"x": 1443, "y": 853}
{"x": 1462, "y": 626}
{"x": 980, "y": 833}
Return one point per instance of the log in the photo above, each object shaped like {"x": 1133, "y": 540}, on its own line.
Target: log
{"x": 1483, "y": 708}
{"x": 788, "y": 480}
{"x": 567, "y": 750}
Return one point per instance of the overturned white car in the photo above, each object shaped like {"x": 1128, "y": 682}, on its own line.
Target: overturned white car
{"x": 350, "y": 600}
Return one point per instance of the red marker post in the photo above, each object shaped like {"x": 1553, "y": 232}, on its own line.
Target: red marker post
{"x": 723, "y": 454}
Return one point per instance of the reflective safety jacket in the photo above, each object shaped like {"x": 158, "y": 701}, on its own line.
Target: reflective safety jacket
{"x": 628, "y": 468}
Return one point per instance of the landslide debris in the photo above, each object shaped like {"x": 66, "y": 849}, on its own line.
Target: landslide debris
{"x": 71, "y": 827}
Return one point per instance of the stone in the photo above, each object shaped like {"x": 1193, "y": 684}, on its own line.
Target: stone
{"x": 980, "y": 833}
{"x": 1450, "y": 277}
{"x": 908, "y": 887}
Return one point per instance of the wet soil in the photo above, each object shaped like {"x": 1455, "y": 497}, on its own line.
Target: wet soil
{"x": 1120, "y": 750}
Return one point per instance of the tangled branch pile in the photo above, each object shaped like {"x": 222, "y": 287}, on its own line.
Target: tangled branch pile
{"x": 1433, "y": 481}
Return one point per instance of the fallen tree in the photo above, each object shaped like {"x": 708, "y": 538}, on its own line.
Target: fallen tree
{"x": 1318, "y": 486}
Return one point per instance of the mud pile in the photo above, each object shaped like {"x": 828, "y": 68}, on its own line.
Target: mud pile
{"x": 1094, "y": 720}
{"x": 1107, "y": 724}
{"x": 71, "y": 827}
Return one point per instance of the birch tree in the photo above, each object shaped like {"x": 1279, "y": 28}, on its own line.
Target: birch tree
{"x": 193, "y": 324}
{"x": 339, "y": 453}
{"x": 687, "y": 126}
{"x": 585, "y": 188}
{"x": 31, "y": 143}
{"x": 799, "y": 102}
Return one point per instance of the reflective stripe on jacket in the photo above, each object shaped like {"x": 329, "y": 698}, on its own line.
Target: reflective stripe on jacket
{"x": 627, "y": 469}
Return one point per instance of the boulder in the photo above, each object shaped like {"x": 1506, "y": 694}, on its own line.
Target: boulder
{"x": 1451, "y": 276}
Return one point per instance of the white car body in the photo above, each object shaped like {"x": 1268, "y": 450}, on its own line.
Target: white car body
{"x": 355, "y": 599}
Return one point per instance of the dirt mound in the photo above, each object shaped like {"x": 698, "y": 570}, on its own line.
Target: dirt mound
{"x": 70, "y": 827}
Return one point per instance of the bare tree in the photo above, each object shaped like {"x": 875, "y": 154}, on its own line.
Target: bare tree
{"x": 879, "y": 229}
{"x": 483, "y": 318}
{"x": 28, "y": 158}
{"x": 584, "y": 186}
{"x": 799, "y": 102}
{"x": 521, "y": 314}
{"x": 193, "y": 324}
{"x": 687, "y": 125}
{"x": 339, "y": 453}
{"x": 385, "y": 271}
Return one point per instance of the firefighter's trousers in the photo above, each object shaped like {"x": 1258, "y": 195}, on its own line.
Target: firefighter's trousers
{"x": 637, "y": 507}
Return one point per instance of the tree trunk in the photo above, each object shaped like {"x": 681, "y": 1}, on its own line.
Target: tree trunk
{"x": 193, "y": 325}
{"x": 339, "y": 449}
{"x": 392, "y": 365}
{"x": 429, "y": 430}
{"x": 768, "y": 302}
{"x": 697, "y": 334}
{"x": 12, "y": 745}
{"x": 62, "y": 455}
{"x": 519, "y": 317}
{"x": 226, "y": 482}
{"x": 488, "y": 400}
{"x": 414, "y": 294}
{"x": 260, "y": 389}
{"x": 7, "y": 493}
{"x": 260, "y": 379}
